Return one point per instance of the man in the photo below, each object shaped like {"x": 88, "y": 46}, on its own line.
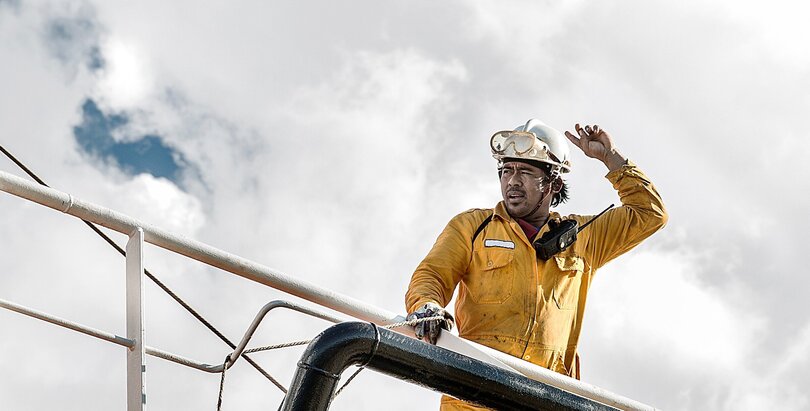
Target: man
{"x": 511, "y": 297}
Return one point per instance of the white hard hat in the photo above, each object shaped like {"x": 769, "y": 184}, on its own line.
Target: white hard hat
{"x": 533, "y": 141}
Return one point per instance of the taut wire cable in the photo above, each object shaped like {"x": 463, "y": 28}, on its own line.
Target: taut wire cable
{"x": 304, "y": 342}
{"x": 154, "y": 279}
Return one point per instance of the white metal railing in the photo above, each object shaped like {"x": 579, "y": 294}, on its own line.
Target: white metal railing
{"x": 130, "y": 343}
{"x": 140, "y": 232}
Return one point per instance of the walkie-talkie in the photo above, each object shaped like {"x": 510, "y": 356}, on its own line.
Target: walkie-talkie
{"x": 560, "y": 236}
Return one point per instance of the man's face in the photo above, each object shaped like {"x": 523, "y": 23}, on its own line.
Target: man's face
{"x": 522, "y": 187}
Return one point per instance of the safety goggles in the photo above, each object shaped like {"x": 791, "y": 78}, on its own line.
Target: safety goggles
{"x": 521, "y": 144}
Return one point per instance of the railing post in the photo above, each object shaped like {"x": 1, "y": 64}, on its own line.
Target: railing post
{"x": 136, "y": 396}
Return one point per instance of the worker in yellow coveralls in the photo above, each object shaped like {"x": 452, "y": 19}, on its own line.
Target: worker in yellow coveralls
{"x": 522, "y": 289}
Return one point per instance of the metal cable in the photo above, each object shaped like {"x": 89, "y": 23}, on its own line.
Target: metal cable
{"x": 222, "y": 382}
{"x": 205, "y": 322}
{"x": 154, "y": 279}
{"x": 304, "y": 342}
{"x": 348, "y": 381}
{"x": 273, "y": 347}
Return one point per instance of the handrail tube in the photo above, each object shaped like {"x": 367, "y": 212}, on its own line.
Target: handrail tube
{"x": 93, "y": 332}
{"x": 345, "y": 344}
{"x": 237, "y": 352}
{"x": 179, "y": 359}
{"x": 115, "y": 339}
{"x": 196, "y": 250}
{"x": 155, "y": 352}
{"x": 253, "y": 271}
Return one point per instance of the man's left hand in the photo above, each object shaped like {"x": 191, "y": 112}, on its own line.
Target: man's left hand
{"x": 429, "y": 330}
{"x": 596, "y": 143}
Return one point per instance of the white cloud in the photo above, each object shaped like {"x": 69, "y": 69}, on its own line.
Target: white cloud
{"x": 657, "y": 299}
{"x": 334, "y": 142}
{"x": 653, "y": 317}
{"x": 127, "y": 79}
{"x": 160, "y": 201}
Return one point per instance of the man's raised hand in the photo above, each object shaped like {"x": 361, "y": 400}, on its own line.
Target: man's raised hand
{"x": 597, "y": 143}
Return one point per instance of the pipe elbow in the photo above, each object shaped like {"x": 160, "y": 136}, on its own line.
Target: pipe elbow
{"x": 340, "y": 346}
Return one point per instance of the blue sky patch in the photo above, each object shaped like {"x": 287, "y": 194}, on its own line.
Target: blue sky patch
{"x": 147, "y": 154}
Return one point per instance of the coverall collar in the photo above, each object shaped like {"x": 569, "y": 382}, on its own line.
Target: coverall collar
{"x": 500, "y": 212}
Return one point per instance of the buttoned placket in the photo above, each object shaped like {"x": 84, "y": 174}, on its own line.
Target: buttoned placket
{"x": 535, "y": 301}
{"x": 531, "y": 322}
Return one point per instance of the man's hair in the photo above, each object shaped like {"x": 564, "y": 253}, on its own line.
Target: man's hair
{"x": 560, "y": 196}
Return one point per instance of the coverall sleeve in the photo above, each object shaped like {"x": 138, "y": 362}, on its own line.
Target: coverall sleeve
{"x": 438, "y": 274}
{"x": 641, "y": 214}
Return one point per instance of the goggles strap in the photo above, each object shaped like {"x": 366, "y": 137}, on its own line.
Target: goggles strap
{"x": 539, "y": 203}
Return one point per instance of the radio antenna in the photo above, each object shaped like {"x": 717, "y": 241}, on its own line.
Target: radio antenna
{"x": 594, "y": 218}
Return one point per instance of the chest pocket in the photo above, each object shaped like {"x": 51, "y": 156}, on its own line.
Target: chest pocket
{"x": 491, "y": 277}
{"x": 566, "y": 289}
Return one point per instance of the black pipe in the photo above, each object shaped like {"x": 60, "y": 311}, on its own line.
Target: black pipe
{"x": 420, "y": 363}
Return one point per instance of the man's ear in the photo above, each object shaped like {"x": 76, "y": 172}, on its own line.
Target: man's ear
{"x": 556, "y": 185}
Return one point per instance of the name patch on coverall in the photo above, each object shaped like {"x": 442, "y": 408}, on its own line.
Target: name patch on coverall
{"x": 499, "y": 243}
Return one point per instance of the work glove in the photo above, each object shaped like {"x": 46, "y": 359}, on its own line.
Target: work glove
{"x": 429, "y": 330}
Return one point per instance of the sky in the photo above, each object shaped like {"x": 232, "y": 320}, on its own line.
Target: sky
{"x": 334, "y": 140}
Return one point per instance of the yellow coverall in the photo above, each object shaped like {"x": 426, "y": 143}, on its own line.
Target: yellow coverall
{"x": 514, "y": 302}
